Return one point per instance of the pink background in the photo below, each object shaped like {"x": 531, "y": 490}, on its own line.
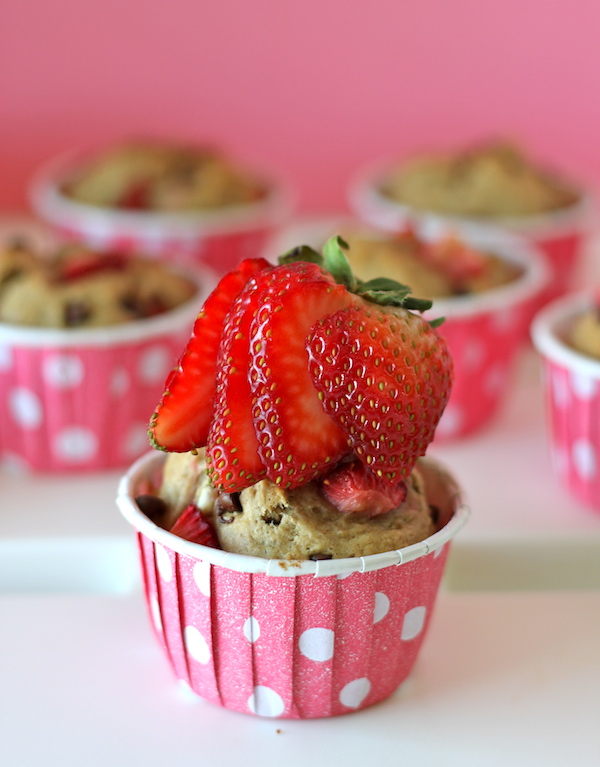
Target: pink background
{"x": 312, "y": 88}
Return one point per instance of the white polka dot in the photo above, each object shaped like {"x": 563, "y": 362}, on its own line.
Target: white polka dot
{"x": 584, "y": 387}
{"x": 343, "y": 576}
{"x": 75, "y": 444}
{"x": 413, "y": 623}
{"x": 26, "y": 408}
{"x": 202, "y": 577}
{"x": 136, "y": 441}
{"x": 560, "y": 391}
{"x": 382, "y": 606}
{"x": 187, "y": 694}
{"x": 6, "y": 360}
{"x": 450, "y": 422}
{"x": 495, "y": 379}
{"x": 15, "y": 464}
{"x": 353, "y": 694}
{"x": 196, "y": 644}
{"x": 504, "y": 321}
{"x": 265, "y": 702}
{"x": 155, "y": 612}
{"x": 473, "y": 355}
{"x": 163, "y": 563}
{"x": 119, "y": 382}
{"x": 154, "y": 364}
{"x": 584, "y": 459}
{"x": 317, "y": 644}
{"x": 63, "y": 371}
{"x": 251, "y": 629}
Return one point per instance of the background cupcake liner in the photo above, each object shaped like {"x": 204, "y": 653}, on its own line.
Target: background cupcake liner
{"x": 559, "y": 235}
{"x": 485, "y": 332}
{"x": 572, "y": 392}
{"x": 82, "y": 399}
{"x": 281, "y": 639}
{"x": 219, "y": 239}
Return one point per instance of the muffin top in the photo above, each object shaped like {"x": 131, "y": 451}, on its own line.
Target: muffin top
{"x": 439, "y": 268}
{"x": 265, "y": 520}
{"x": 159, "y": 176}
{"x": 584, "y": 336}
{"x": 493, "y": 180}
{"x": 74, "y": 287}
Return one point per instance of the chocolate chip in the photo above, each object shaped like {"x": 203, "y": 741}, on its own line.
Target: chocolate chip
{"x": 76, "y": 313}
{"x": 227, "y": 506}
{"x": 435, "y": 513}
{"x": 320, "y": 557}
{"x": 152, "y": 506}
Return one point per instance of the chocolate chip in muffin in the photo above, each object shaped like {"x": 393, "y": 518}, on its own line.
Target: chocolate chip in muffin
{"x": 76, "y": 313}
{"x": 227, "y": 506}
{"x": 320, "y": 557}
{"x": 152, "y": 506}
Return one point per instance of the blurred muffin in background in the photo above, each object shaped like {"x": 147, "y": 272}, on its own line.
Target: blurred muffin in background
{"x": 494, "y": 183}
{"x": 169, "y": 200}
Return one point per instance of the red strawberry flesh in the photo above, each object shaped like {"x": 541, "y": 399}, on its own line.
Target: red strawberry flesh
{"x": 193, "y": 526}
{"x": 353, "y": 489}
{"x": 297, "y": 439}
{"x": 182, "y": 418}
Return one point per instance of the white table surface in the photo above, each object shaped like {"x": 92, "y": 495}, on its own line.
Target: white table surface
{"x": 509, "y": 674}
{"x": 503, "y": 679}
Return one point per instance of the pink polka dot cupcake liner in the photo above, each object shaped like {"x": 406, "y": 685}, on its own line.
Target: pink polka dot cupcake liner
{"x": 571, "y": 383}
{"x": 219, "y": 239}
{"x": 560, "y": 236}
{"x": 485, "y": 333}
{"x": 81, "y": 399}
{"x": 295, "y": 640}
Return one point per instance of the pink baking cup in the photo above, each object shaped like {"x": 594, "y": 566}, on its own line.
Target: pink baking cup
{"x": 559, "y": 235}
{"x": 220, "y": 238}
{"x": 81, "y": 399}
{"x": 485, "y": 331}
{"x": 572, "y": 392}
{"x": 289, "y": 639}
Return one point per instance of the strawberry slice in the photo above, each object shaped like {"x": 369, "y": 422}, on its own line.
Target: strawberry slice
{"x": 233, "y": 462}
{"x": 193, "y": 526}
{"x": 86, "y": 263}
{"x": 182, "y": 418}
{"x": 353, "y": 489}
{"x": 297, "y": 439}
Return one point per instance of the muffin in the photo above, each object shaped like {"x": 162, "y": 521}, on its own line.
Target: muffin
{"x": 184, "y": 203}
{"x": 86, "y": 339}
{"x": 495, "y": 182}
{"x": 566, "y": 334}
{"x": 278, "y": 537}
{"x": 485, "y": 284}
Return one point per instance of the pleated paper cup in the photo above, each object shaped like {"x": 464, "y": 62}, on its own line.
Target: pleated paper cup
{"x": 572, "y": 391}
{"x": 218, "y": 238}
{"x": 80, "y": 399}
{"x": 560, "y": 235}
{"x": 290, "y": 639}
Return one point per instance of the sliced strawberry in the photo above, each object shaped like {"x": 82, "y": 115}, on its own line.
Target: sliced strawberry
{"x": 297, "y": 439}
{"x": 193, "y": 526}
{"x": 182, "y": 418}
{"x": 136, "y": 196}
{"x": 385, "y": 377}
{"x": 233, "y": 462}
{"x": 353, "y": 489}
{"x": 85, "y": 263}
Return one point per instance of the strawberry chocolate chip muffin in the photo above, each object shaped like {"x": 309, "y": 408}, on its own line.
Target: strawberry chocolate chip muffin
{"x": 160, "y": 176}
{"x": 294, "y": 538}
{"x": 75, "y": 287}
